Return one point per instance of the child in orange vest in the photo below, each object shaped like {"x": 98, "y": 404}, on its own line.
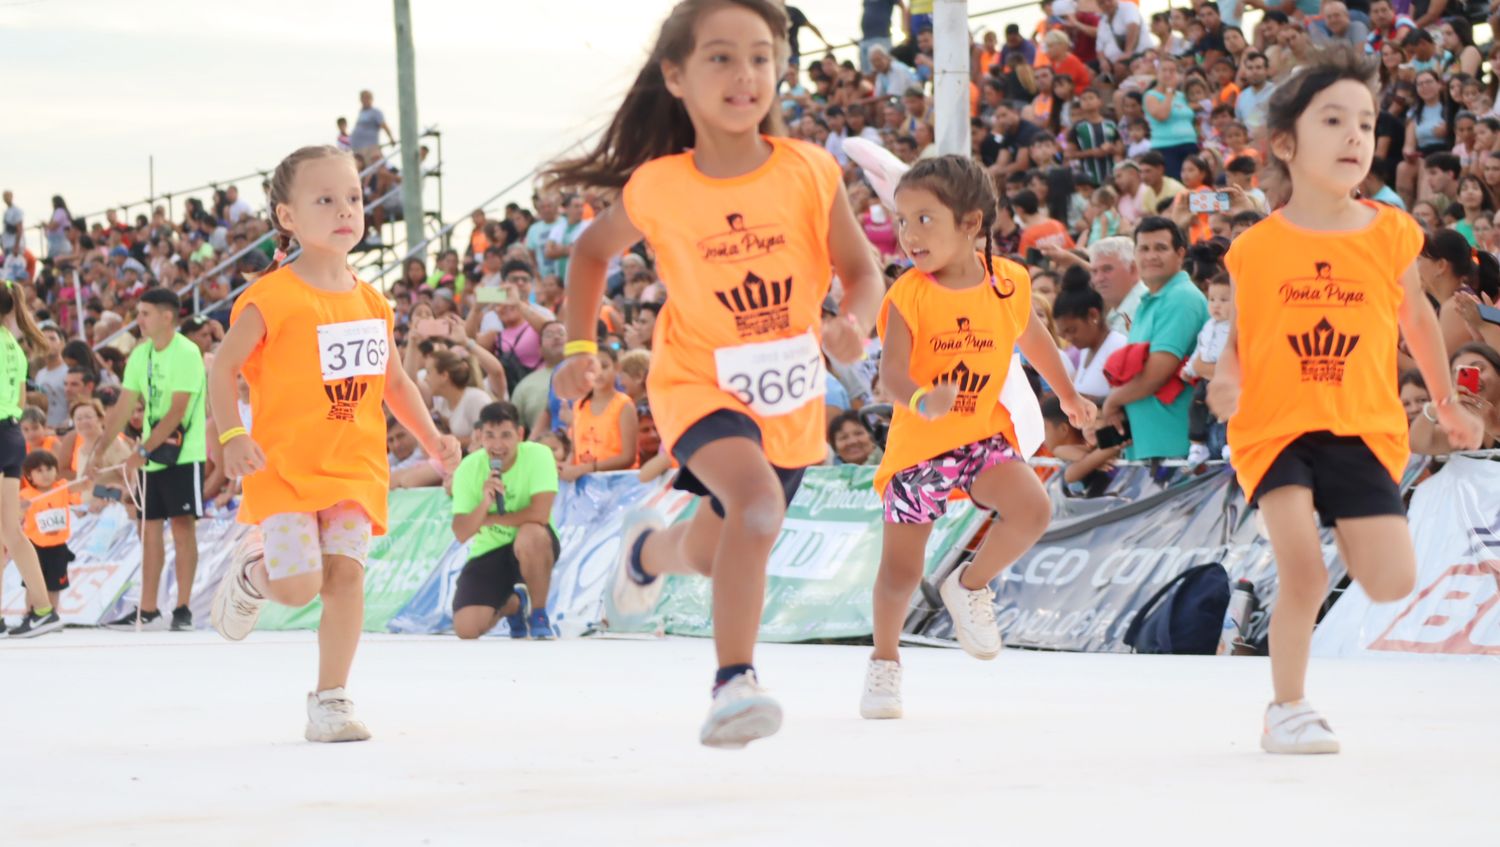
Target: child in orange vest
{"x": 1308, "y": 381}
{"x": 746, "y": 226}
{"x": 314, "y": 343}
{"x": 949, "y": 327}
{"x": 49, "y": 523}
{"x": 605, "y": 427}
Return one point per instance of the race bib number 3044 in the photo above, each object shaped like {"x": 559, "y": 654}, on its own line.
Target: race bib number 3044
{"x": 353, "y": 348}
{"x": 773, "y": 377}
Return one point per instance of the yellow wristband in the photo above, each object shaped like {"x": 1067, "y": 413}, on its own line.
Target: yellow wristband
{"x": 916, "y": 398}
{"x": 229, "y": 435}
{"x": 574, "y": 348}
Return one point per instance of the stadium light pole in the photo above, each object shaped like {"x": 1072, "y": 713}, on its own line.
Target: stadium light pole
{"x": 406, "y": 91}
{"x": 950, "y": 86}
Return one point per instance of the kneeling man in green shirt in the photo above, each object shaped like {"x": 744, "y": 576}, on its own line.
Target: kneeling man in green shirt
{"x": 502, "y": 500}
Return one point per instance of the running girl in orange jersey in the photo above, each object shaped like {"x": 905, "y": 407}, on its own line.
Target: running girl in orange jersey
{"x": 745, "y": 225}
{"x": 1308, "y": 379}
{"x": 314, "y": 343}
{"x": 949, "y": 327}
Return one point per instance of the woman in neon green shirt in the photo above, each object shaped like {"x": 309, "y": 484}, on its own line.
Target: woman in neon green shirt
{"x": 40, "y": 617}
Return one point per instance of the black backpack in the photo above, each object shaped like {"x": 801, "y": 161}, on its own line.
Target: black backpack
{"x": 1186, "y": 616}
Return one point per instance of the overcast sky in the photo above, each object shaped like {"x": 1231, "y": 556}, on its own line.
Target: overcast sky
{"x": 214, "y": 89}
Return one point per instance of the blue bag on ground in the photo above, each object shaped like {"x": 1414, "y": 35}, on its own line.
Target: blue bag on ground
{"x": 1186, "y": 616}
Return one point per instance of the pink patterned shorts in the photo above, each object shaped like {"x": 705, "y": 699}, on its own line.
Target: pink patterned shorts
{"x": 919, "y": 494}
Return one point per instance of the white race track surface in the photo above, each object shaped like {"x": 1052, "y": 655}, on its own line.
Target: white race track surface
{"x": 118, "y": 739}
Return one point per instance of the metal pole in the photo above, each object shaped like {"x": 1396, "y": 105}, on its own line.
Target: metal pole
{"x": 78, "y": 303}
{"x": 950, "y": 89}
{"x": 406, "y": 89}
{"x": 151, "y": 168}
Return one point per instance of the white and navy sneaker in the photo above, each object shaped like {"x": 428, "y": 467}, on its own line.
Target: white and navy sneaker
{"x": 882, "y": 697}
{"x": 628, "y": 598}
{"x": 742, "y": 712}
{"x": 1297, "y": 729}
{"x": 237, "y": 604}
{"x": 330, "y": 718}
{"x": 149, "y": 621}
{"x": 33, "y": 625}
{"x": 973, "y": 614}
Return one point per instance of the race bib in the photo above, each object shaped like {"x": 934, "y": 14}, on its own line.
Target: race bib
{"x": 353, "y": 348}
{"x": 773, "y": 377}
{"x": 51, "y": 521}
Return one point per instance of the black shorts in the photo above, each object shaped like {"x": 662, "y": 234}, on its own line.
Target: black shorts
{"x": 12, "y": 449}
{"x": 490, "y": 578}
{"x": 1346, "y": 479}
{"x": 716, "y": 426}
{"x": 174, "y": 491}
{"x": 55, "y": 562}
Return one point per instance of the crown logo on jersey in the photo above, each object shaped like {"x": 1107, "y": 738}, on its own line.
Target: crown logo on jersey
{"x": 1323, "y": 352}
{"x": 345, "y": 396}
{"x": 742, "y": 242}
{"x": 759, "y": 306}
{"x": 962, "y": 341}
{"x": 969, "y": 384}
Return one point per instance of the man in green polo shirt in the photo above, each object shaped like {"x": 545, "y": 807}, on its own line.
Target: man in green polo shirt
{"x": 1168, "y": 319}
{"x": 166, "y": 371}
{"x": 502, "y": 505}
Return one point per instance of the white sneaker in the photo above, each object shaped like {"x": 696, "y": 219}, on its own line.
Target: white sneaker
{"x": 628, "y": 598}
{"x": 330, "y": 717}
{"x": 973, "y": 614}
{"x": 742, "y": 712}
{"x": 882, "y": 697}
{"x": 1197, "y": 454}
{"x": 1297, "y": 728}
{"x": 236, "y": 605}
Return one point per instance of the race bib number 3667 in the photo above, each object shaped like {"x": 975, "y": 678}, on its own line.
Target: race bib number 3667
{"x": 353, "y": 348}
{"x": 773, "y": 377}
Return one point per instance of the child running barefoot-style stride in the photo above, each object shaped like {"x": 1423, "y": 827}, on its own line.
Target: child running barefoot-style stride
{"x": 314, "y": 343}
{"x": 949, "y": 326}
{"x": 1308, "y": 379}
{"x": 745, "y": 225}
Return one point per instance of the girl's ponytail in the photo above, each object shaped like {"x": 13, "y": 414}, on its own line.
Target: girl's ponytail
{"x": 13, "y": 299}
{"x": 651, "y": 122}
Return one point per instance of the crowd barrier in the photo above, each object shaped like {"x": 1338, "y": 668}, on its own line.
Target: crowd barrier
{"x": 1077, "y": 589}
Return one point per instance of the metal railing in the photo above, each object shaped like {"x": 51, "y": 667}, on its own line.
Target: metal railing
{"x": 194, "y": 286}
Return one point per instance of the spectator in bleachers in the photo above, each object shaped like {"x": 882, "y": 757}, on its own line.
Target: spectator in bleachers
{"x": 605, "y": 428}
{"x": 456, "y": 400}
{"x": 365, "y": 138}
{"x": 1414, "y": 394}
{"x": 1079, "y": 315}
{"x": 1150, "y": 395}
{"x": 1428, "y": 438}
{"x": 852, "y": 441}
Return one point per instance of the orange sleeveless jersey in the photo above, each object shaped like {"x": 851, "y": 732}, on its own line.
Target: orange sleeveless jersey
{"x": 745, "y": 261}
{"x": 597, "y": 437}
{"x": 317, "y": 382}
{"x": 50, "y": 508}
{"x": 965, "y": 337}
{"x": 1316, "y": 316}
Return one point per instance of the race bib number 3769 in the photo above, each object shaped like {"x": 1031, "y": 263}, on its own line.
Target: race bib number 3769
{"x": 353, "y": 348}
{"x": 773, "y": 377}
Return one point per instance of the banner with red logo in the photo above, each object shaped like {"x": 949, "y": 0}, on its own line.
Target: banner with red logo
{"x": 1455, "y": 607}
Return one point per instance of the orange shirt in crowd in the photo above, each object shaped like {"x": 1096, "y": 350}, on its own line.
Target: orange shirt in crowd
{"x": 965, "y": 337}
{"x": 1317, "y": 328}
{"x": 1228, "y": 94}
{"x": 317, "y": 382}
{"x": 1200, "y": 230}
{"x": 1048, "y": 232}
{"x": 746, "y": 267}
{"x": 598, "y": 437}
{"x": 1070, "y": 65}
{"x": 48, "y": 522}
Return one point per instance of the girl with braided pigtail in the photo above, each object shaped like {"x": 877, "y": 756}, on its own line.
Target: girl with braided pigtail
{"x": 949, "y": 326}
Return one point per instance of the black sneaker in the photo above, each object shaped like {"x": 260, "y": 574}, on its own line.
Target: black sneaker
{"x": 149, "y": 620}
{"x": 33, "y": 625}
{"x": 182, "y": 619}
